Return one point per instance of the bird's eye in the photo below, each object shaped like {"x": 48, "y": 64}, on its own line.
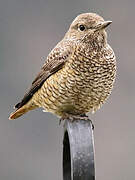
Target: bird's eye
{"x": 81, "y": 27}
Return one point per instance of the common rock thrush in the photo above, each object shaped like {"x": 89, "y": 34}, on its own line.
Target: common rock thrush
{"x": 78, "y": 74}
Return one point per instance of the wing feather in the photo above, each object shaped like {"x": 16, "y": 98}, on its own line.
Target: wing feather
{"x": 55, "y": 61}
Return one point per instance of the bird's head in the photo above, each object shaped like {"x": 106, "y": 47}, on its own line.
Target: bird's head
{"x": 88, "y": 27}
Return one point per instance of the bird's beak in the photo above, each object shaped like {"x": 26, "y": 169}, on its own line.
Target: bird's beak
{"x": 103, "y": 25}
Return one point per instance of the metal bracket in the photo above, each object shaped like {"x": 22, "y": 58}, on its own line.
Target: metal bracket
{"x": 78, "y": 151}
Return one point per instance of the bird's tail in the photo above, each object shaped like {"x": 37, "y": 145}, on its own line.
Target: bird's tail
{"x": 20, "y": 111}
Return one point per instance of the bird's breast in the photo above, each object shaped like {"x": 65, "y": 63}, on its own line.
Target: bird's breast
{"x": 82, "y": 85}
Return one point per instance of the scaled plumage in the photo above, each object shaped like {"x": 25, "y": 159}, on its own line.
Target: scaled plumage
{"x": 78, "y": 74}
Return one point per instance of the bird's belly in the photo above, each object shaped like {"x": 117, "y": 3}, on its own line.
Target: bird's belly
{"x": 72, "y": 93}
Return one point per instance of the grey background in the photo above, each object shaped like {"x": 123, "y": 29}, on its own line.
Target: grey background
{"x": 31, "y": 147}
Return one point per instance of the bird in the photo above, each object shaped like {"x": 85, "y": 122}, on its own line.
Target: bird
{"x": 78, "y": 74}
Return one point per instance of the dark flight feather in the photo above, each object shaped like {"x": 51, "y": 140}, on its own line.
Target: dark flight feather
{"x": 55, "y": 61}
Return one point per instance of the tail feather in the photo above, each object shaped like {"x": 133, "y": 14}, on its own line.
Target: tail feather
{"x": 20, "y": 111}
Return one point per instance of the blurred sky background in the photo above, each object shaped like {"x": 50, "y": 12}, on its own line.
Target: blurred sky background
{"x": 31, "y": 147}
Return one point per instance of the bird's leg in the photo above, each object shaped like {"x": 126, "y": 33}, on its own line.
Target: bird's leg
{"x": 65, "y": 116}
{"x": 73, "y": 118}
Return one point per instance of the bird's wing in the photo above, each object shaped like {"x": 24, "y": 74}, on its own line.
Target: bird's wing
{"x": 55, "y": 61}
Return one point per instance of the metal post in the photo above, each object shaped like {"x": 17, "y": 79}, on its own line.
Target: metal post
{"x": 78, "y": 151}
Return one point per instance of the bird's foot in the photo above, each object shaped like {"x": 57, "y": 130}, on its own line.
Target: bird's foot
{"x": 73, "y": 118}
{"x": 85, "y": 117}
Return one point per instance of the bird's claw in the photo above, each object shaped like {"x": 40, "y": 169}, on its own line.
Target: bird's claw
{"x": 73, "y": 118}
